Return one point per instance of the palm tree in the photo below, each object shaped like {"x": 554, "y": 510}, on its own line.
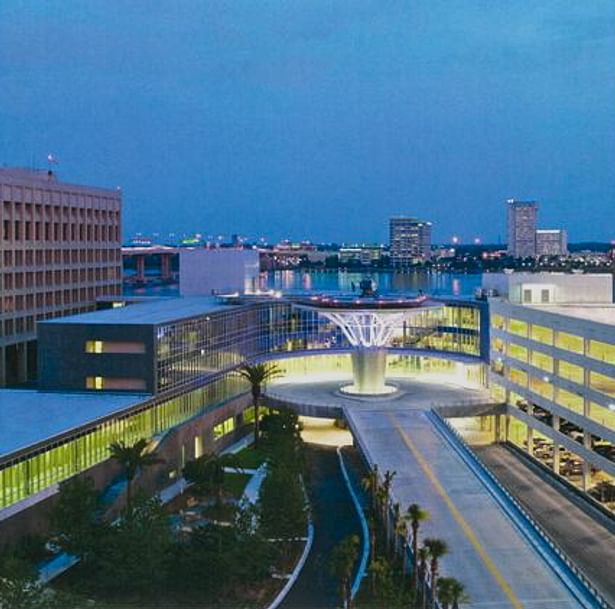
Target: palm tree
{"x": 437, "y": 548}
{"x": 257, "y": 375}
{"x": 341, "y": 565}
{"x": 458, "y": 592}
{"x": 370, "y": 485}
{"x": 415, "y": 515}
{"x": 421, "y": 558}
{"x": 207, "y": 472}
{"x": 451, "y": 592}
{"x": 372, "y": 525}
{"x": 132, "y": 459}
{"x": 386, "y": 500}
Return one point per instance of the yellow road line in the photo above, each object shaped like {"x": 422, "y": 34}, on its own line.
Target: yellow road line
{"x": 465, "y": 527}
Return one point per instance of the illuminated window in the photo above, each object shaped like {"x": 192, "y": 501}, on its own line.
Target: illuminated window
{"x": 224, "y": 428}
{"x": 542, "y": 335}
{"x": 498, "y": 392}
{"x": 497, "y": 321}
{"x": 570, "y": 342}
{"x": 518, "y": 376}
{"x": 571, "y": 372}
{"x": 514, "y": 399}
{"x": 542, "y": 361}
{"x": 602, "y": 383}
{"x": 497, "y": 344}
{"x": 602, "y": 414}
{"x": 518, "y": 327}
{"x": 542, "y": 387}
{"x": 518, "y": 352}
{"x": 573, "y": 401}
{"x": 94, "y": 382}
{"x": 94, "y": 346}
{"x": 114, "y": 346}
{"x": 602, "y": 351}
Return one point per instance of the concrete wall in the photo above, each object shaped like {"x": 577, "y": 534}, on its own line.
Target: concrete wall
{"x": 204, "y": 272}
{"x": 564, "y": 288}
{"x": 64, "y": 364}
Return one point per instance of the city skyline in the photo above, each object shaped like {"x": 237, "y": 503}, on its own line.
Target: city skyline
{"x": 260, "y": 121}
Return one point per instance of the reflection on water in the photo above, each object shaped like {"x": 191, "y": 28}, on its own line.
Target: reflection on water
{"x": 387, "y": 282}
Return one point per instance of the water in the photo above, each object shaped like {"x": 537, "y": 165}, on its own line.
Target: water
{"x": 387, "y": 282}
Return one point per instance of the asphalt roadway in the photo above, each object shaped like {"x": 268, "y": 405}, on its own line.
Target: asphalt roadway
{"x": 498, "y": 566}
{"x": 589, "y": 544}
{"x": 334, "y": 518}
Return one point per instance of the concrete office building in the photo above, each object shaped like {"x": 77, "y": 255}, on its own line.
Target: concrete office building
{"x": 409, "y": 241}
{"x": 360, "y": 254}
{"x": 551, "y": 242}
{"x": 203, "y": 272}
{"x": 522, "y": 219}
{"x": 553, "y": 362}
{"x": 59, "y": 251}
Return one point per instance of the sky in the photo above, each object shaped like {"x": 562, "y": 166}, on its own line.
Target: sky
{"x": 319, "y": 119}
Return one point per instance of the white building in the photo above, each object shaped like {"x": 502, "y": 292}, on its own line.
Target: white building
{"x": 551, "y": 242}
{"x": 553, "y": 361}
{"x": 203, "y": 272}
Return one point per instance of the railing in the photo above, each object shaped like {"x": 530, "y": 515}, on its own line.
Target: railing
{"x": 572, "y": 577}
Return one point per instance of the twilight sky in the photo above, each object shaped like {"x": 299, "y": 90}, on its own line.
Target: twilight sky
{"x": 319, "y": 118}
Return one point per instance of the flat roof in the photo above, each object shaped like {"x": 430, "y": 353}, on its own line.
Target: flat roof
{"x": 600, "y": 313}
{"x": 156, "y": 311}
{"x": 28, "y": 417}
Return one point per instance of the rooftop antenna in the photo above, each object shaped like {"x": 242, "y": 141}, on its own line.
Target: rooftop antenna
{"x": 51, "y": 160}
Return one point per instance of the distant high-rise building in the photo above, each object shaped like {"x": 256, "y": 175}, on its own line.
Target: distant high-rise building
{"x": 551, "y": 242}
{"x": 409, "y": 240}
{"x": 60, "y": 249}
{"x": 522, "y": 218}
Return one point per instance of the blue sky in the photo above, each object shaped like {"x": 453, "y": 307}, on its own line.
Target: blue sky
{"x": 319, "y": 118}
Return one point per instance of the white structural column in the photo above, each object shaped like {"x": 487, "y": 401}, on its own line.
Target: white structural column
{"x": 366, "y": 328}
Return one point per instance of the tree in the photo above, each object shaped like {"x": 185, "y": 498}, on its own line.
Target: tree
{"x": 415, "y": 514}
{"x": 283, "y": 510}
{"x": 421, "y": 558}
{"x": 133, "y": 560}
{"x": 401, "y": 535}
{"x": 207, "y": 473}
{"x": 437, "y": 548}
{"x": 257, "y": 375}
{"x": 132, "y": 459}
{"x": 76, "y": 518}
{"x": 18, "y": 586}
{"x": 341, "y": 565}
{"x": 451, "y": 592}
{"x": 385, "y": 500}
{"x": 370, "y": 485}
